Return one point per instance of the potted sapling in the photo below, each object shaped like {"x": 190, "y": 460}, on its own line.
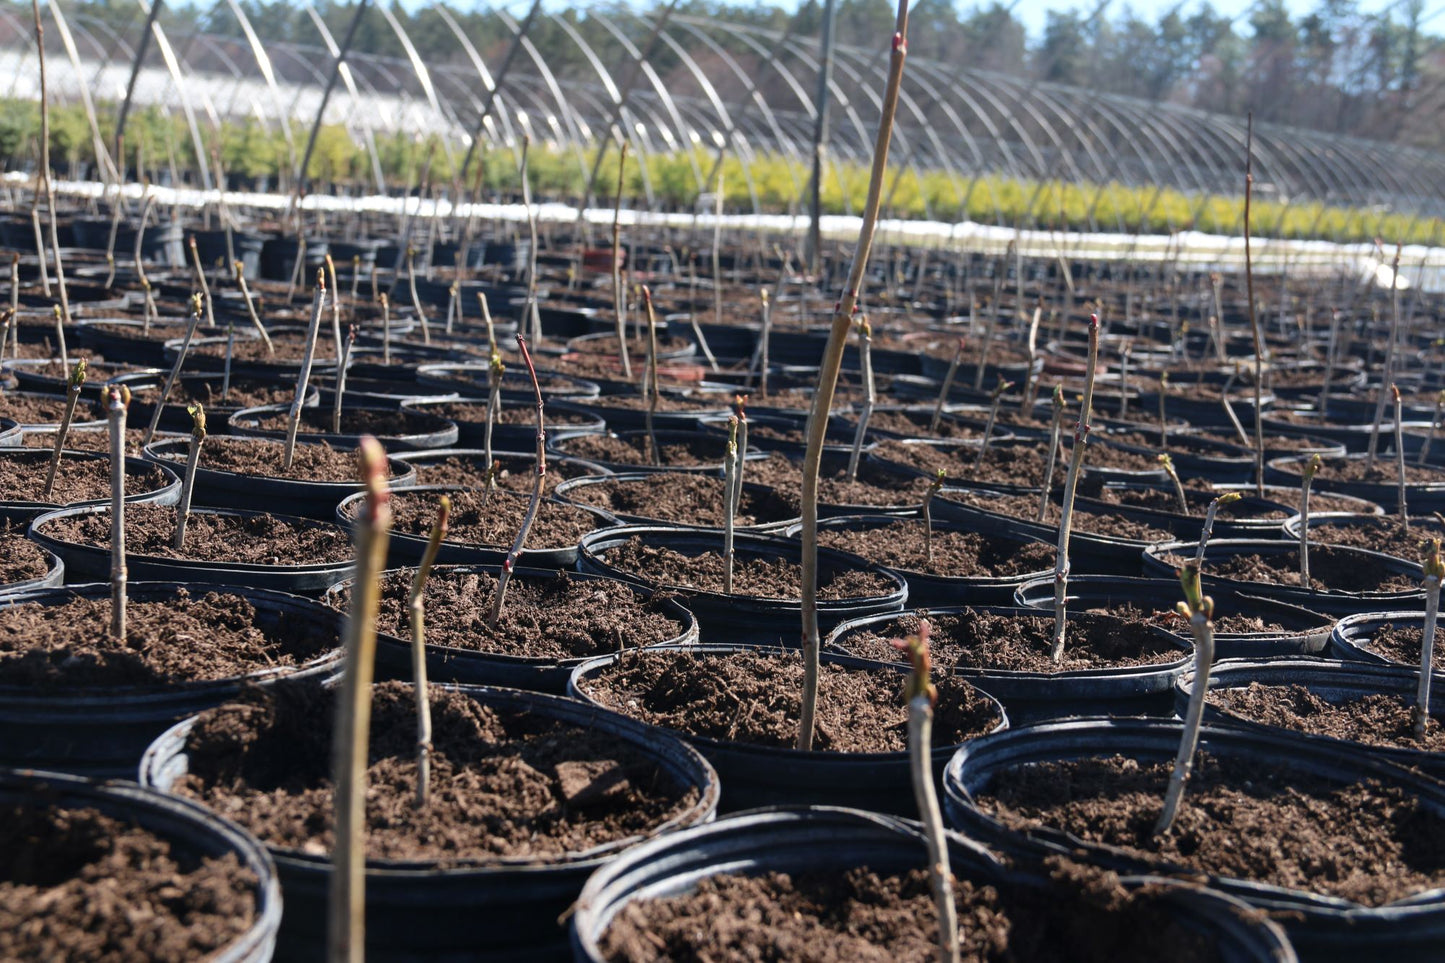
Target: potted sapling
{"x": 927, "y": 511}
{"x": 1167, "y": 463}
{"x": 1207, "y": 530}
{"x": 343, "y": 362}
{"x": 1434, "y": 572}
{"x": 998, "y": 393}
{"x": 188, "y": 483}
{"x": 170, "y": 382}
{"x": 732, "y": 464}
{"x": 1400, "y": 460}
{"x": 72, "y": 397}
{"x": 865, "y": 355}
{"x": 417, "y": 610}
{"x": 538, "y": 480}
{"x": 303, "y": 377}
{"x": 649, "y": 379}
{"x": 1056, "y": 426}
{"x": 1198, "y": 609}
{"x": 1307, "y": 478}
{"x": 946, "y": 388}
{"x": 240, "y": 273}
{"x": 921, "y": 696}
{"x": 1071, "y": 484}
{"x": 740, "y": 459}
{"x": 346, "y": 920}
{"x": 117, "y": 401}
{"x": 619, "y": 295}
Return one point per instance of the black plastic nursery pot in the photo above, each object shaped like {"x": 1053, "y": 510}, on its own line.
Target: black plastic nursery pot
{"x": 1332, "y": 681}
{"x": 1329, "y": 602}
{"x": 1421, "y": 497}
{"x": 501, "y": 909}
{"x": 471, "y": 666}
{"x": 54, "y": 576}
{"x": 1354, "y": 638}
{"x": 103, "y": 730}
{"x": 766, "y": 433}
{"x": 472, "y": 429}
{"x": 405, "y": 548}
{"x": 755, "y": 499}
{"x": 471, "y": 378}
{"x": 425, "y": 431}
{"x": 229, "y": 489}
{"x": 698, "y": 443}
{"x": 827, "y": 840}
{"x": 512, "y": 460}
{"x": 759, "y": 775}
{"x": 192, "y": 831}
{"x": 1322, "y": 927}
{"x": 1301, "y": 632}
{"x": 742, "y": 618}
{"x": 929, "y": 588}
{"x": 1193, "y": 457}
{"x": 91, "y": 563}
{"x": 619, "y": 418}
{"x": 1248, "y": 517}
{"x": 38, "y": 459}
{"x": 175, "y": 417}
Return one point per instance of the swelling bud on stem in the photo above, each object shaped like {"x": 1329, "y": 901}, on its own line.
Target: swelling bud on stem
{"x": 193, "y": 458}
{"x": 1167, "y": 463}
{"x": 417, "y": 608}
{"x": 1198, "y": 609}
{"x": 934, "y": 487}
{"x": 539, "y": 478}
{"x": 72, "y": 396}
{"x": 1207, "y": 531}
{"x": 1307, "y": 478}
{"x": 117, "y": 401}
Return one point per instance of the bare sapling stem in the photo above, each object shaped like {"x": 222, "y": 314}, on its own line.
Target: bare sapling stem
{"x": 1071, "y": 484}
{"x": 531, "y": 313}
{"x": 730, "y": 481}
{"x": 346, "y": 917}
{"x": 1307, "y": 478}
{"x": 416, "y": 298}
{"x": 1331, "y": 359}
{"x": 946, "y": 388}
{"x": 619, "y": 294}
{"x": 240, "y": 274}
{"x": 117, "y": 208}
{"x": 72, "y": 397}
{"x": 117, "y": 400}
{"x": 1389, "y": 374}
{"x": 303, "y": 378}
{"x": 495, "y": 371}
{"x": 49, "y": 184}
{"x": 14, "y": 306}
{"x": 538, "y": 479}
{"x": 1198, "y": 609}
{"x": 740, "y": 403}
{"x": 188, "y": 484}
{"x": 934, "y": 487}
{"x": 1206, "y": 532}
{"x": 650, "y": 393}
{"x": 417, "y": 607}
{"x": 1216, "y": 320}
{"x": 1434, "y": 572}
{"x": 385, "y": 329}
{"x": 1229, "y": 408}
{"x": 831, "y": 362}
{"x": 1026, "y": 407}
{"x": 988, "y": 426}
{"x": 330, "y": 267}
{"x": 922, "y": 697}
{"x": 175, "y": 372}
{"x": 1163, "y": 410}
{"x": 60, "y": 338}
{"x": 1167, "y": 463}
{"x": 343, "y": 362}
{"x": 201, "y": 283}
{"x": 1434, "y": 427}
{"x": 1056, "y": 430}
{"x": 865, "y": 355}
{"x": 1253, "y": 314}
{"x": 1401, "y": 507}
{"x": 453, "y": 304}
{"x": 1125, "y": 353}
{"x": 764, "y": 342}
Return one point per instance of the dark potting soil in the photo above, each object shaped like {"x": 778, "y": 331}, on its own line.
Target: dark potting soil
{"x": 1330, "y": 571}
{"x": 1095, "y": 523}
{"x": 1320, "y": 501}
{"x": 1020, "y": 643}
{"x": 901, "y": 544}
{"x": 915, "y": 424}
{"x": 1385, "y": 471}
{"x": 187, "y": 638}
{"x": 289, "y": 346}
{"x": 635, "y": 450}
{"x": 482, "y": 518}
{"x": 264, "y": 457}
{"x": 97, "y": 369}
{"x": 244, "y": 393}
{"x": 1176, "y": 443}
{"x": 503, "y": 785}
{"x": 637, "y": 346}
{"x": 635, "y": 402}
{"x": 1224, "y": 623}
{"x": 23, "y": 470}
{"x": 253, "y": 540}
{"x": 1375, "y": 720}
{"x": 354, "y": 421}
{"x": 76, "y": 884}
{"x": 874, "y": 486}
{"x": 753, "y": 576}
{"x": 754, "y": 698}
{"x": 20, "y": 559}
{"x": 517, "y": 413}
{"x": 859, "y": 916}
{"x": 42, "y": 411}
{"x": 682, "y": 498}
{"x": 1380, "y": 533}
{"x": 555, "y": 619}
{"x": 1362, "y": 841}
{"x": 1000, "y": 464}
{"x": 90, "y": 439}
{"x": 513, "y": 474}
{"x": 1398, "y": 643}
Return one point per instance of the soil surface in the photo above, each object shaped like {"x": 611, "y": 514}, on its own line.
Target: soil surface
{"x": 1374, "y": 720}
{"x": 290, "y": 346}
{"x": 875, "y": 486}
{"x": 636, "y": 450}
{"x": 20, "y": 559}
{"x": 354, "y": 421}
{"x": 244, "y": 393}
{"x": 43, "y": 411}
{"x": 503, "y": 785}
{"x": 187, "y": 638}
{"x": 555, "y": 619}
{"x": 517, "y": 413}
{"x": 901, "y": 544}
{"x": 754, "y": 698}
{"x": 753, "y": 576}
{"x": 254, "y": 540}
{"x": 672, "y": 403}
{"x": 513, "y": 474}
{"x": 76, "y": 884}
{"x": 1398, "y": 643}
{"x": 1380, "y": 533}
{"x": 1020, "y": 643}
{"x": 1362, "y": 841}
{"x": 915, "y": 424}
{"x": 23, "y": 470}
{"x": 1385, "y": 471}
{"x": 493, "y": 519}
{"x": 1330, "y": 571}
{"x": 264, "y": 457}
{"x": 684, "y": 499}
{"x": 1026, "y": 507}
{"x": 860, "y": 915}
